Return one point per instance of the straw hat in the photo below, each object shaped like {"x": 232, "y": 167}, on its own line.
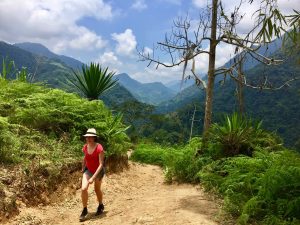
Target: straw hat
{"x": 91, "y": 132}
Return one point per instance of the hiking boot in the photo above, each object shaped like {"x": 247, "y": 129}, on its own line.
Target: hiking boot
{"x": 83, "y": 214}
{"x": 100, "y": 210}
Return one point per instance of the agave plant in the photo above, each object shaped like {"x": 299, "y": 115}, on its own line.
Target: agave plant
{"x": 92, "y": 81}
{"x": 236, "y": 135}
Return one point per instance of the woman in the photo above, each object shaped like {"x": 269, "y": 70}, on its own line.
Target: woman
{"x": 93, "y": 171}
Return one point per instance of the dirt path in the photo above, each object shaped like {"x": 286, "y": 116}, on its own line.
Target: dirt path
{"x": 136, "y": 196}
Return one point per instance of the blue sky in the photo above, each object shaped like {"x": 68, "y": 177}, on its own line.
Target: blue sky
{"x": 109, "y": 31}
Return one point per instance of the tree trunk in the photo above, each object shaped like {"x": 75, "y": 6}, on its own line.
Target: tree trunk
{"x": 211, "y": 67}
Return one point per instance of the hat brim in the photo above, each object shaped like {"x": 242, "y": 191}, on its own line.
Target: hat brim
{"x": 90, "y": 135}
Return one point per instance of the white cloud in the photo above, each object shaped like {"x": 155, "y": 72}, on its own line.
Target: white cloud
{"x": 52, "y": 22}
{"x": 88, "y": 41}
{"x": 126, "y": 42}
{"x": 139, "y": 5}
{"x": 110, "y": 60}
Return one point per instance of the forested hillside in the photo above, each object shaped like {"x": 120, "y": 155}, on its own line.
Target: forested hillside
{"x": 41, "y": 69}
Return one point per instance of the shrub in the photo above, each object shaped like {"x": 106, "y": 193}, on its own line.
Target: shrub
{"x": 184, "y": 165}
{"x": 8, "y": 141}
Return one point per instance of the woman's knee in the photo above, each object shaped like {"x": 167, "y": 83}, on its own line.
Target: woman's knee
{"x": 84, "y": 188}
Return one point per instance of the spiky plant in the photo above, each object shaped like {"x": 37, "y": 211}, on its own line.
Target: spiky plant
{"x": 92, "y": 81}
{"x": 235, "y": 135}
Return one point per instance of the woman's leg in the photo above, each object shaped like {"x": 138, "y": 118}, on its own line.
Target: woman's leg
{"x": 84, "y": 189}
{"x": 97, "y": 187}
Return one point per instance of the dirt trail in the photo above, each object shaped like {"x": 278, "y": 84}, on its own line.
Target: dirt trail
{"x": 136, "y": 196}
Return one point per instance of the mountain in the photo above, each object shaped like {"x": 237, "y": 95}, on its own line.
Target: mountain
{"x": 278, "y": 109}
{"x": 151, "y": 93}
{"x": 117, "y": 95}
{"x": 43, "y": 69}
{"x": 41, "y": 50}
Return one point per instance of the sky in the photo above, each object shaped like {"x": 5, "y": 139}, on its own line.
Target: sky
{"x": 110, "y": 31}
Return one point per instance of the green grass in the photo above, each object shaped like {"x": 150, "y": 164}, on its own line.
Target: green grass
{"x": 151, "y": 154}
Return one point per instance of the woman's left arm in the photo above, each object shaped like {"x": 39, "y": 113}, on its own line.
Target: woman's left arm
{"x": 101, "y": 164}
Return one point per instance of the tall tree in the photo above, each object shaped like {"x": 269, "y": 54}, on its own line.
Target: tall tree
{"x": 211, "y": 66}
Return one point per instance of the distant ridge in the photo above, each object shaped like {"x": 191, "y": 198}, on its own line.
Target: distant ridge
{"x": 151, "y": 93}
{"x": 41, "y": 50}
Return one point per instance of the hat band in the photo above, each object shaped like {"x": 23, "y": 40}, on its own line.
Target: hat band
{"x": 91, "y": 133}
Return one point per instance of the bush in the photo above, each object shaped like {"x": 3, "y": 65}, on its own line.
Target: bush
{"x": 9, "y": 142}
{"x": 184, "y": 166}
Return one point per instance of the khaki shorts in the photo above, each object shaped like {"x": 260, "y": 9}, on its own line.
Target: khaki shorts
{"x": 90, "y": 174}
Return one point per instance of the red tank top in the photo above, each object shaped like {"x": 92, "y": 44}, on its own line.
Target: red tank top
{"x": 92, "y": 160}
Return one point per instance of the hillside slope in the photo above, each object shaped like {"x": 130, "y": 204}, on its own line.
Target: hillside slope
{"x": 116, "y": 96}
{"x": 43, "y": 69}
{"x": 41, "y": 50}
